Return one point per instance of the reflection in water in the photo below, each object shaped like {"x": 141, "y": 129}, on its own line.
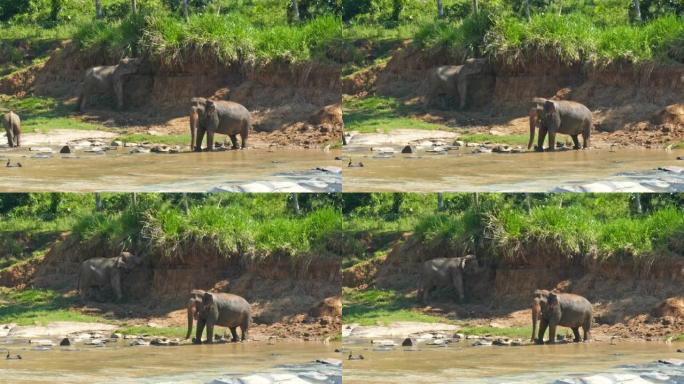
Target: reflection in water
{"x": 461, "y": 363}
{"x": 182, "y": 172}
{"x": 183, "y": 364}
{"x": 512, "y": 172}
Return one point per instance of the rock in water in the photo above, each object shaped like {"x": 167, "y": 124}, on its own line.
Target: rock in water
{"x": 65, "y": 342}
{"x": 407, "y": 342}
{"x": 65, "y": 149}
{"x": 408, "y": 149}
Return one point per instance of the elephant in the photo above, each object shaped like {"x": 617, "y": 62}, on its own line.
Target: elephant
{"x": 225, "y": 117}
{"x": 107, "y": 80}
{"x": 443, "y": 272}
{"x": 449, "y": 84}
{"x": 104, "y": 274}
{"x": 12, "y": 124}
{"x": 559, "y": 116}
{"x": 226, "y": 310}
{"x": 564, "y": 309}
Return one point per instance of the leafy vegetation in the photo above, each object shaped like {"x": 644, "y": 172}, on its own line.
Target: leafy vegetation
{"x": 599, "y": 32}
{"x": 250, "y": 227}
{"x": 382, "y": 307}
{"x": 38, "y": 307}
{"x": 258, "y": 31}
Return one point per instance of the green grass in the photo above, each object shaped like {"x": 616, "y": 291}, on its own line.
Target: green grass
{"x": 381, "y": 307}
{"x": 143, "y": 330}
{"x": 42, "y": 114}
{"x": 161, "y": 139}
{"x": 499, "y": 139}
{"x": 378, "y": 113}
{"x": 679, "y": 338}
{"x": 575, "y": 38}
{"x": 512, "y": 332}
{"x": 39, "y": 307}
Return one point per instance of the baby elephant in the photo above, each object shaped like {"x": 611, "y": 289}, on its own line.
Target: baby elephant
{"x": 564, "y": 309}
{"x": 12, "y": 124}
{"x": 226, "y": 310}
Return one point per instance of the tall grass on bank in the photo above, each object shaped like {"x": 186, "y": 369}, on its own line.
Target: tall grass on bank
{"x": 573, "y": 231}
{"x": 575, "y": 38}
{"x": 227, "y": 38}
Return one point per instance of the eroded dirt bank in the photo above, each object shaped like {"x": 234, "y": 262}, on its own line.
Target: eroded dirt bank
{"x": 632, "y": 300}
{"x": 633, "y": 104}
{"x": 290, "y": 299}
{"x": 291, "y": 104}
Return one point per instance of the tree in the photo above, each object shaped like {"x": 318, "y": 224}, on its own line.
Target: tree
{"x": 55, "y": 8}
{"x": 98, "y": 9}
{"x": 475, "y": 7}
{"x": 527, "y": 9}
{"x": 185, "y": 9}
{"x": 295, "y": 10}
{"x": 635, "y": 11}
{"x": 440, "y": 9}
{"x": 134, "y": 6}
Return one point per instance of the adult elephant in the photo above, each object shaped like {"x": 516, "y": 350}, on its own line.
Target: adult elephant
{"x": 226, "y": 310}
{"x": 107, "y": 80}
{"x": 225, "y": 117}
{"x": 564, "y": 309}
{"x": 559, "y": 116}
{"x": 449, "y": 84}
{"x": 104, "y": 274}
{"x": 446, "y": 272}
{"x": 12, "y": 124}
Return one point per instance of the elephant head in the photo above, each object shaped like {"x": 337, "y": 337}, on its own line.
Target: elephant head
{"x": 540, "y": 305}
{"x": 212, "y": 122}
{"x": 125, "y": 262}
{"x": 194, "y": 306}
{"x": 197, "y": 105}
{"x": 545, "y": 115}
{"x": 126, "y": 66}
{"x": 535, "y": 114}
{"x": 469, "y": 265}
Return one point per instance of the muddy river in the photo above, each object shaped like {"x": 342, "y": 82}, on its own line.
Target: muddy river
{"x": 253, "y": 362}
{"x": 599, "y": 170}
{"x": 593, "y": 363}
{"x": 252, "y": 170}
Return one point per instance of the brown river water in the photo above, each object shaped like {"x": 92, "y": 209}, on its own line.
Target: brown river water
{"x": 153, "y": 365}
{"x": 462, "y": 363}
{"x": 600, "y": 170}
{"x": 260, "y": 169}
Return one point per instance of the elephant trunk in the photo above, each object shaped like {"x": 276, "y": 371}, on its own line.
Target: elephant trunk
{"x": 191, "y": 316}
{"x": 193, "y": 127}
{"x": 536, "y": 311}
{"x": 533, "y": 125}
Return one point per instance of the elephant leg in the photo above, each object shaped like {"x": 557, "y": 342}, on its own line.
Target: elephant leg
{"x": 552, "y": 333}
{"x": 116, "y": 286}
{"x": 200, "y": 138}
{"x": 575, "y": 140}
{"x": 587, "y": 330}
{"x": 17, "y": 135}
{"x": 585, "y": 137}
{"x": 10, "y": 139}
{"x": 541, "y": 139}
{"x": 210, "y": 140}
{"x": 542, "y": 330}
{"x": 200, "y": 329}
{"x": 575, "y": 331}
{"x": 244, "y": 329}
{"x": 462, "y": 85}
{"x": 81, "y": 102}
{"x": 457, "y": 280}
{"x": 210, "y": 333}
{"x": 243, "y": 137}
{"x": 552, "y": 141}
{"x": 118, "y": 91}
{"x": 233, "y": 140}
{"x": 233, "y": 331}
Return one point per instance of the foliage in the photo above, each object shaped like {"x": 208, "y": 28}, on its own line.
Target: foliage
{"x": 381, "y": 307}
